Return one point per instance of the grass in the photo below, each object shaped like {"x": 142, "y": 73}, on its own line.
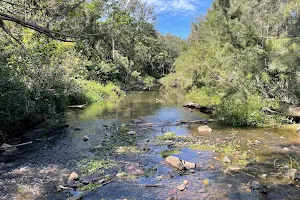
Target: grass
{"x": 93, "y": 91}
{"x": 124, "y": 128}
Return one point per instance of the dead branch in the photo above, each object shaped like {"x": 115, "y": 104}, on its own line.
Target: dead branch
{"x": 162, "y": 124}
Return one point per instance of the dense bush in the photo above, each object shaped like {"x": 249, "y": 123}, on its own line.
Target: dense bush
{"x": 240, "y": 48}
{"x": 92, "y": 92}
{"x": 240, "y": 112}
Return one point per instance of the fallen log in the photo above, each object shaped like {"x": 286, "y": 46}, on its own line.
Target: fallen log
{"x": 205, "y": 109}
{"x": 201, "y": 121}
{"x": 271, "y": 111}
{"x": 8, "y": 146}
{"x": 153, "y": 185}
{"x": 162, "y": 124}
{"x": 77, "y": 106}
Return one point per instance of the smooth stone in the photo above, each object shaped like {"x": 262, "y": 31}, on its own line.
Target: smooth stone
{"x": 181, "y": 187}
{"x": 185, "y": 182}
{"x": 85, "y": 138}
{"x": 175, "y": 162}
{"x": 73, "y": 176}
{"x": 226, "y": 159}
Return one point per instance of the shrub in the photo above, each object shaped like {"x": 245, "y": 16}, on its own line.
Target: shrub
{"x": 239, "y": 112}
{"x": 92, "y": 91}
{"x": 204, "y": 96}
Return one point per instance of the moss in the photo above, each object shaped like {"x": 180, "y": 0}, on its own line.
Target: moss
{"x": 166, "y": 153}
{"x": 92, "y": 166}
{"x": 167, "y": 136}
{"x": 89, "y": 187}
{"x": 127, "y": 150}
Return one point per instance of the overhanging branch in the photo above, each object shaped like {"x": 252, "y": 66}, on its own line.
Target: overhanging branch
{"x": 55, "y": 35}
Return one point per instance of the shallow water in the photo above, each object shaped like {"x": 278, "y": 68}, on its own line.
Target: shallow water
{"x": 34, "y": 171}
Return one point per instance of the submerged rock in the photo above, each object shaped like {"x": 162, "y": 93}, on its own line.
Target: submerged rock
{"x": 204, "y": 129}
{"x": 131, "y": 133}
{"x": 175, "y": 162}
{"x": 255, "y": 185}
{"x": 134, "y": 169}
{"x": 137, "y": 121}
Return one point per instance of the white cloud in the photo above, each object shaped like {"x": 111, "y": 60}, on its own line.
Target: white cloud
{"x": 174, "y": 5}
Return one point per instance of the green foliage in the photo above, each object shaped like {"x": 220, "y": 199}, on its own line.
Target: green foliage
{"x": 167, "y": 136}
{"x": 96, "y": 165}
{"x": 204, "y": 96}
{"x": 238, "y": 49}
{"x": 239, "y": 112}
{"x": 118, "y": 45}
{"x": 149, "y": 82}
{"x": 124, "y": 128}
{"x": 92, "y": 91}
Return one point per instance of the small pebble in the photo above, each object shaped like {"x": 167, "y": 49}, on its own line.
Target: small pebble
{"x": 185, "y": 182}
{"x": 181, "y": 187}
{"x": 85, "y": 138}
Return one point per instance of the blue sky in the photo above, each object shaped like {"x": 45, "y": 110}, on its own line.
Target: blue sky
{"x": 175, "y": 16}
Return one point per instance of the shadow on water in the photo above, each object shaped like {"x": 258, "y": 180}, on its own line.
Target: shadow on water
{"x": 38, "y": 169}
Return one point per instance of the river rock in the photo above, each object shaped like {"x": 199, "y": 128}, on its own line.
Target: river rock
{"x": 264, "y": 175}
{"x": 137, "y": 121}
{"x": 131, "y": 133}
{"x": 171, "y": 198}
{"x": 134, "y": 169}
{"x": 226, "y": 159}
{"x": 175, "y": 162}
{"x": 255, "y": 185}
{"x": 204, "y": 129}
{"x": 85, "y": 138}
{"x": 292, "y": 174}
{"x": 189, "y": 165}
{"x": 181, "y": 187}
{"x": 73, "y": 176}
{"x": 286, "y": 149}
{"x": 185, "y": 182}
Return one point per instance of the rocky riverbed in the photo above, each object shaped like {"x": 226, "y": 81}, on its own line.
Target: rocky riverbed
{"x": 117, "y": 152}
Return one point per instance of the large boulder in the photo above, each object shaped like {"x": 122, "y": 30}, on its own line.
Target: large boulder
{"x": 204, "y": 130}
{"x": 175, "y": 162}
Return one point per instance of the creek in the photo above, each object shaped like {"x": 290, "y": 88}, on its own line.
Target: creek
{"x": 113, "y": 164}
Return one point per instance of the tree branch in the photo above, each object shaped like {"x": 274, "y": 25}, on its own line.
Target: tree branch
{"x": 55, "y": 35}
{"x": 2, "y": 25}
